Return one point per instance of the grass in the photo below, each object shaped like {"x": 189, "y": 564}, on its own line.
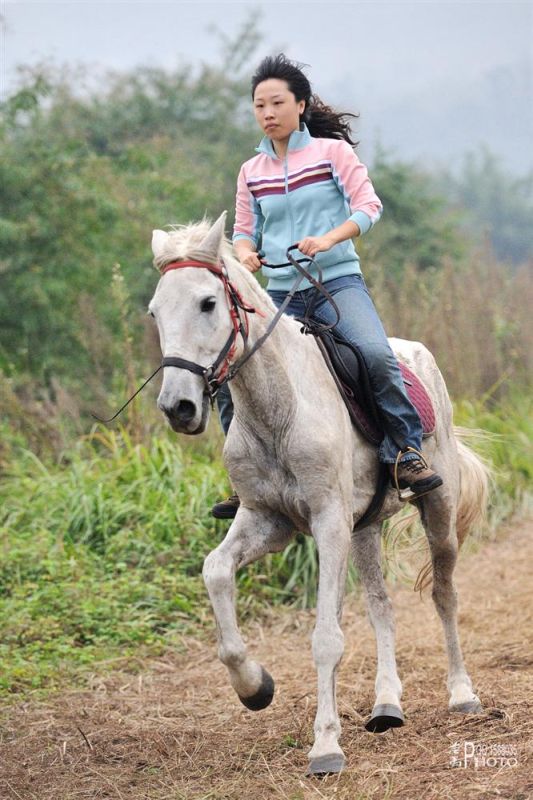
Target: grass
{"x": 102, "y": 550}
{"x": 102, "y": 556}
{"x": 100, "y": 553}
{"x": 503, "y": 434}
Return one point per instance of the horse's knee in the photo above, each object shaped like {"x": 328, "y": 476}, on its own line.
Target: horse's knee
{"x": 444, "y": 596}
{"x": 380, "y": 608}
{"x": 444, "y": 558}
{"x": 217, "y": 571}
{"x": 327, "y": 645}
{"x": 443, "y": 585}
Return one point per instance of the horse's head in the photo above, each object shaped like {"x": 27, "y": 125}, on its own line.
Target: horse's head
{"x": 190, "y": 307}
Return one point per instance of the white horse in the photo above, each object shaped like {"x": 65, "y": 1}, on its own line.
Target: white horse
{"x": 298, "y": 464}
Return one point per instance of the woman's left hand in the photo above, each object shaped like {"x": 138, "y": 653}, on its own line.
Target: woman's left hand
{"x": 311, "y": 245}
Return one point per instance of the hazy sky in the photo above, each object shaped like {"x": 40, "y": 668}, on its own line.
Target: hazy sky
{"x": 415, "y": 70}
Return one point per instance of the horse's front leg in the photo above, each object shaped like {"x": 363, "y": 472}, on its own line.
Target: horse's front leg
{"x": 331, "y": 531}
{"x": 251, "y": 536}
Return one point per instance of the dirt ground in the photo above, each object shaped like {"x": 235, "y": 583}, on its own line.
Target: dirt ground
{"x": 172, "y": 728}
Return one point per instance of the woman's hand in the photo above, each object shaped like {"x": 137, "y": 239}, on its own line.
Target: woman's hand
{"x": 311, "y": 245}
{"x": 251, "y": 261}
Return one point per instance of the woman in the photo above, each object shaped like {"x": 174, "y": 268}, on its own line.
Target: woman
{"x": 307, "y": 186}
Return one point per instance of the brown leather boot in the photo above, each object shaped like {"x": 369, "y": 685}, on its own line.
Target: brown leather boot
{"x": 226, "y": 509}
{"x": 414, "y": 478}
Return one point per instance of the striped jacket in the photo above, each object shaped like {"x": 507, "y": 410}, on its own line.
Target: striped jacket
{"x": 317, "y": 186}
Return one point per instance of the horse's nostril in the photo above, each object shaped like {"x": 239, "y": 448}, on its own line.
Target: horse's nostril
{"x": 184, "y": 411}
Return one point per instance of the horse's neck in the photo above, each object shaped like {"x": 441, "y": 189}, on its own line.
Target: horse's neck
{"x": 265, "y": 389}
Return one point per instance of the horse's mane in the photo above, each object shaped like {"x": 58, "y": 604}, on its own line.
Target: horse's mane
{"x": 185, "y": 239}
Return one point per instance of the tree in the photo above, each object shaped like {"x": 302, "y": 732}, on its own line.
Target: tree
{"x": 82, "y": 183}
{"x": 493, "y": 205}
{"x": 416, "y": 228}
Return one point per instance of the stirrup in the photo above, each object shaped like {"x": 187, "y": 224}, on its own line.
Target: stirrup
{"x": 406, "y": 494}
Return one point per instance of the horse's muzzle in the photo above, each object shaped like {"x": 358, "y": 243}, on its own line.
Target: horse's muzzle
{"x": 183, "y": 415}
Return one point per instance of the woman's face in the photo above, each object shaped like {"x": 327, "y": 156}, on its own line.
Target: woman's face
{"x": 276, "y": 109}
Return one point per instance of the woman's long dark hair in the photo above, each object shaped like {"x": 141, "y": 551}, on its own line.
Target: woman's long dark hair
{"x": 322, "y": 120}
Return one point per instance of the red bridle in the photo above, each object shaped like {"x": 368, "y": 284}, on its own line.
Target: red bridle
{"x": 235, "y": 302}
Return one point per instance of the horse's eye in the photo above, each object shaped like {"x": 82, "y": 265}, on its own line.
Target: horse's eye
{"x": 208, "y": 304}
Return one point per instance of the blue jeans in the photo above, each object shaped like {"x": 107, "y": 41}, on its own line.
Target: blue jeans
{"x": 360, "y": 325}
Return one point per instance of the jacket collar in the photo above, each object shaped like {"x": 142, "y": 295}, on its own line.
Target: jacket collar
{"x": 297, "y": 141}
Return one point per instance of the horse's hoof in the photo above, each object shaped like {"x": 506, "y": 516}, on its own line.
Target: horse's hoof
{"x": 471, "y": 707}
{"x": 263, "y": 697}
{"x": 326, "y": 765}
{"x": 384, "y": 717}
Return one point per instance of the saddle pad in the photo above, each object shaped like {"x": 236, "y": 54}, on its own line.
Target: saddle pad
{"x": 418, "y": 396}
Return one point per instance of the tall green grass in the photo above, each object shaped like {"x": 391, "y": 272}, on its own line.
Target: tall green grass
{"x": 102, "y": 550}
{"x": 502, "y": 433}
{"x": 102, "y": 554}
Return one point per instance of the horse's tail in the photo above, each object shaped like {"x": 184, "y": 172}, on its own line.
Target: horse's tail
{"x": 475, "y": 476}
{"x": 475, "y": 479}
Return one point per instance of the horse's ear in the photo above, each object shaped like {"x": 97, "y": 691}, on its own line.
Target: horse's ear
{"x": 210, "y": 246}
{"x": 159, "y": 241}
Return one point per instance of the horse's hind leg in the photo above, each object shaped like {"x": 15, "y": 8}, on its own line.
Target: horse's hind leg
{"x": 250, "y": 536}
{"x": 387, "y": 712}
{"x": 438, "y": 517}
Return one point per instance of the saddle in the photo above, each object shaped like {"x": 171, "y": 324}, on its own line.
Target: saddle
{"x": 346, "y": 364}
{"x": 348, "y": 368}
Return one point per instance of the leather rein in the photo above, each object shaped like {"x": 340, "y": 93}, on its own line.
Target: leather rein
{"x": 222, "y": 369}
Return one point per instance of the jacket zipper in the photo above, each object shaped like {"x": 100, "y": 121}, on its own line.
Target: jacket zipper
{"x": 286, "y": 168}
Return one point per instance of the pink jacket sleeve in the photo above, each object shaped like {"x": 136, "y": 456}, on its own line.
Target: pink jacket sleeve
{"x": 352, "y": 180}
{"x": 248, "y": 216}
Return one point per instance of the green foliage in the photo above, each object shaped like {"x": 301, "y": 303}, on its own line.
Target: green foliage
{"x": 83, "y": 180}
{"x": 493, "y": 205}
{"x": 505, "y": 438}
{"x": 103, "y": 553}
{"x": 417, "y": 227}
{"x": 107, "y": 554}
